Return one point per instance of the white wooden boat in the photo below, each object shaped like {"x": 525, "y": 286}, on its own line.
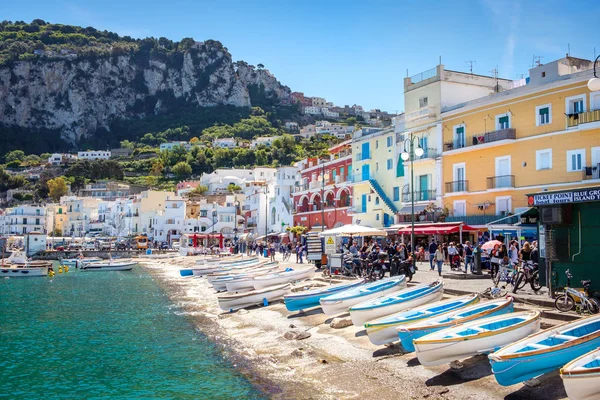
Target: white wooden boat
{"x": 342, "y": 301}
{"x": 22, "y": 272}
{"x": 217, "y": 267}
{"x": 396, "y": 302}
{"x": 235, "y": 301}
{"x": 220, "y": 283}
{"x": 238, "y": 270}
{"x": 110, "y": 265}
{"x": 545, "y": 351}
{"x": 481, "y": 336}
{"x": 581, "y": 377}
{"x": 309, "y": 298}
{"x": 79, "y": 262}
{"x": 221, "y": 260}
{"x": 383, "y": 330}
{"x": 430, "y": 325}
{"x": 292, "y": 275}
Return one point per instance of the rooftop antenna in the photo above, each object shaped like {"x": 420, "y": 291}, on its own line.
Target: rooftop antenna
{"x": 495, "y": 72}
{"x": 520, "y": 76}
{"x": 471, "y": 62}
{"x": 537, "y": 61}
{"x": 568, "y": 49}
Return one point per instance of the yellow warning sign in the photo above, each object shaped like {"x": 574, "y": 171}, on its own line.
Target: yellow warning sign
{"x": 330, "y": 240}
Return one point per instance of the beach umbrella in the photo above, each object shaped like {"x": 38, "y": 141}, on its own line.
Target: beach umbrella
{"x": 491, "y": 244}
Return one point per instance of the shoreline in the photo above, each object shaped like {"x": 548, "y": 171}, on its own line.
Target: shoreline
{"x": 331, "y": 363}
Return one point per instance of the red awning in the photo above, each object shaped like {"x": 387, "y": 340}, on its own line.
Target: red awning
{"x": 436, "y": 229}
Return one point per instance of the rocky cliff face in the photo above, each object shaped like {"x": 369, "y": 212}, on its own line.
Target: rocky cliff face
{"x": 80, "y": 95}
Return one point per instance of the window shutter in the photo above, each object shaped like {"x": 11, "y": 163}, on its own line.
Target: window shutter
{"x": 400, "y": 167}
{"x": 544, "y": 111}
{"x": 460, "y": 130}
{"x": 503, "y": 120}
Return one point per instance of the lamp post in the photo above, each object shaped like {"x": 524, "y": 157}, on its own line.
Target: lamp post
{"x": 266, "y": 192}
{"x": 214, "y": 218}
{"x": 323, "y": 198}
{"x": 594, "y": 83}
{"x": 411, "y": 151}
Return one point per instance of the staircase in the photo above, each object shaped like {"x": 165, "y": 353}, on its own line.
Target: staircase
{"x": 286, "y": 204}
{"x": 386, "y": 200}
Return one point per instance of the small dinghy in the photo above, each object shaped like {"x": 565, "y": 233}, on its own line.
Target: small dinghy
{"x": 545, "y": 351}
{"x": 112, "y": 265}
{"x": 426, "y": 327}
{"x": 310, "y": 298}
{"x": 581, "y": 377}
{"x": 396, "y": 302}
{"x": 79, "y": 262}
{"x": 289, "y": 275}
{"x": 383, "y": 330}
{"x": 22, "y": 272}
{"x": 216, "y": 261}
{"x": 342, "y": 301}
{"x": 235, "y": 301}
{"x": 482, "y": 336}
{"x": 239, "y": 270}
{"x": 203, "y": 270}
{"x": 220, "y": 283}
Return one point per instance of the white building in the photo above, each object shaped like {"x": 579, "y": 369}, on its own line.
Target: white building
{"x": 308, "y": 131}
{"x": 94, "y": 155}
{"x": 329, "y": 114}
{"x": 25, "y": 219}
{"x": 225, "y": 143}
{"x": 280, "y": 201}
{"x": 292, "y": 126}
{"x": 61, "y": 158}
{"x": 81, "y": 213}
{"x": 312, "y": 110}
{"x": 171, "y": 145}
{"x": 264, "y": 140}
{"x": 169, "y": 223}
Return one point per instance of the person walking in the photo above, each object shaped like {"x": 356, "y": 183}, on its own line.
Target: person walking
{"x": 469, "y": 260}
{"x": 452, "y": 255}
{"x": 300, "y": 253}
{"x": 439, "y": 259}
{"x": 513, "y": 252}
{"x": 432, "y": 249}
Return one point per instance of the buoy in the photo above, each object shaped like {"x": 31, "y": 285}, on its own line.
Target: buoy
{"x": 51, "y": 273}
{"x": 66, "y": 268}
{"x": 60, "y": 269}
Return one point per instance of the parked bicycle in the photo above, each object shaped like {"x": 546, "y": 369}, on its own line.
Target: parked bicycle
{"x": 582, "y": 300}
{"x": 506, "y": 273}
{"x": 528, "y": 273}
{"x": 286, "y": 255}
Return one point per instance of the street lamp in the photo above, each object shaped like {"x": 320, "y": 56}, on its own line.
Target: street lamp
{"x": 214, "y": 217}
{"x": 266, "y": 192}
{"x": 594, "y": 83}
{"x": 412, "y": 151}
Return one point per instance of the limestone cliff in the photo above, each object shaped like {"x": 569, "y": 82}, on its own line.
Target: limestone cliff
{"x": 79, "y": 94}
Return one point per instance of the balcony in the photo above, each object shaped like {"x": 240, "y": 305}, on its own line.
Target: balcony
{"x": 592, "y": 172}
{"x": 457, "y": 186}
{"x": 300, "y": 188}
{"x": 420, "y": 195}
{"x": 582, "y": 118}
{"x": 502, "y": 181}
{"x": 363, "y": 156}
{"x": 429, "y": 153}
{"x": 476, "y": 140}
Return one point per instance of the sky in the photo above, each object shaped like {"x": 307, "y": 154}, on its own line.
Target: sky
{"x": 350, "y": 52}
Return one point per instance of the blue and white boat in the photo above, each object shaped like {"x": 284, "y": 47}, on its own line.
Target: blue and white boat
{"x": 581, "y": 377}
{"x": 399, "y": 301}
{"x": 383, "y": 330}
{"x": 310, "y": 298}
{"x": 218, "y": 266}
{"x": 340, "y": 302}
{"x": 545, "y": 351}
{"x": 481, "y": 336}
{"x": 481, "y": 310}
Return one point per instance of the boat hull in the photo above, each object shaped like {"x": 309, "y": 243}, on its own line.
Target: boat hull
{"x": 220, "y": 284}
{"x": 414, "y": 331}
{"x": 309, "y": 299}
{"x": 231, "y": 302}
{"x": 432, "y": 353}
{"x": 262, "y": 282}
{"x": 338, "y": 303}
{"x": 581, "y": 377}
{"x": 17, "y": 272}
{"x": 362, "y": 315}
{"x": 106, "y": 267}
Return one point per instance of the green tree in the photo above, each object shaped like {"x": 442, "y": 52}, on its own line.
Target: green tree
{"x": 200, "y": 189}
{"x": 182, "y": 169}
{"x": 232, "y": 187}
{"x": 15, "y": 155}
{"x": 57, "y": 188}
{"x": 126, "y": 144}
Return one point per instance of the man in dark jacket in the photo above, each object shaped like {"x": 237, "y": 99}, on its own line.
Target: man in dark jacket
{"x": 432, "y": 249}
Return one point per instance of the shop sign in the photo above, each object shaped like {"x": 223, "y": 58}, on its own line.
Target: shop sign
{"x": 575, "y": 196}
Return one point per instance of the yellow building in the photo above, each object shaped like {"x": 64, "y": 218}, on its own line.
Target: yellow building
{"x": 544, "y": 135}
{"x": 60, "y": 217}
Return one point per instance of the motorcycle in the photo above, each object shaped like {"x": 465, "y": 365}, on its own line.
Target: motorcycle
{"x": 402, "y": 267}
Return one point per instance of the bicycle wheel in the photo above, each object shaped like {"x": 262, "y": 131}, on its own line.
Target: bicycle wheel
{"x": 535, "y": 281}
{"x": 521, "y": 281}
{"x": 496, "y": 278}
{"x": 594, "y": 305}
{"x": 564, "y": 303}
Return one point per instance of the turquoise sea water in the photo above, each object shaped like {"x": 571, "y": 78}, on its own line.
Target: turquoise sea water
{"x": 106, "y": 335}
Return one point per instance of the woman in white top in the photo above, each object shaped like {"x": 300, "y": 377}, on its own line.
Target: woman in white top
{"x": 514, "y": 252}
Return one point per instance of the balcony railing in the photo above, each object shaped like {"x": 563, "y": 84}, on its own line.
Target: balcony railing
{"x": 502, "y": 181}
{"x": 429, "y": 153}
{"x": 299, "y": 188}
{"x": 592, "y": 172}
{"x": 457, "y": 186}
{"x": 430, "y": 73}
{"x": 483, "y": 138}
{"x": 420, "y": 195}
{"x": 583, "y": 118}
{"x": 421, "y": 113}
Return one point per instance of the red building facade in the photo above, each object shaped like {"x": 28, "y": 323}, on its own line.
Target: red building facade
{"x": 325, "y": 191}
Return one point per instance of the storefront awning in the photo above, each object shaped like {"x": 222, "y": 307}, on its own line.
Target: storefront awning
{"x": 407, "y": 209}
{"x": 436, "y": 229}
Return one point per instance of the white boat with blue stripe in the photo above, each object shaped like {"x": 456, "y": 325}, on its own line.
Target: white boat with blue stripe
{"x": 426, "y": 327}
{"x": 581, "y": 377}
{"x": 341, "y": 302}
{"x": 305, "y": 299}
{"x": 405, "y": 299}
